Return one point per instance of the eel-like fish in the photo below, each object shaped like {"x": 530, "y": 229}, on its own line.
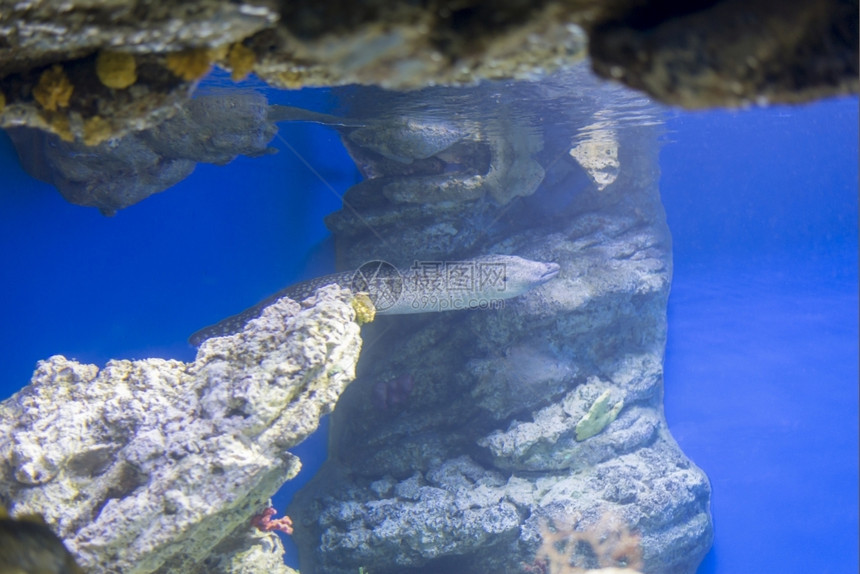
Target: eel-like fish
{"x": 425, "y": 287}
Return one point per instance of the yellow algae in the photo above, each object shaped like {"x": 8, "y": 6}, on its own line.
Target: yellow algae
{"x": 96, "y": 130}
{"x": 116, "y": 70}
{"x": 61, "y": 126}
{"x": 598, "y": 416}
{"x": 365, "y": 311}
{"x": 241, "y": 60}
{"x": 290, "y": 79}
{"x": 2, "y": 102}
{"x": 218, "y": 53}
{"x": 190, "y": 64}
{"x": 54, "y": 89}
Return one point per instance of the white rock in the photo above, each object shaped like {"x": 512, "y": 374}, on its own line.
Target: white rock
{"x": 150, "y": 464}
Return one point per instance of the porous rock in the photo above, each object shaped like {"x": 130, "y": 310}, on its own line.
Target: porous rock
{"x": 213, "y": 127}
{"x": 156, "y": 465}
{"x": 731, "y": 52}
{"x": 701, "y": 54}
{"x": 466, "y": 471}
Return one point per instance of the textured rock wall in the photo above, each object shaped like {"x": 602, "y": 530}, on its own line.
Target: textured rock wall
{"x": 158, "y": 466}
{"x": 87, "y": 71}
{"x": 212, "y": 128}
{"x": 547, "y": 411}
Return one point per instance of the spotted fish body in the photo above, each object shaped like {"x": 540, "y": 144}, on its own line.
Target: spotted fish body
{"x": 298, "y": 292}
{"x": 427, "y": 286}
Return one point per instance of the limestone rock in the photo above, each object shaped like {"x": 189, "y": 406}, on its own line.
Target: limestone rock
{"x": 149, "y": 465}
{"x": 489, "y": 444}
{"x": 723, "y": 53}
{"x": 732, "y": 52}
{"x": 213, "y": 127}
{"x": 246, "y": 552}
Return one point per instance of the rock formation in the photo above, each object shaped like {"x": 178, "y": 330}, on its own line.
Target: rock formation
{"x": 90, "y": 71}
{"x": 213, "y": 127}
{"x": 469, "y": 438}
{"x": 159, "y": 466}
{"x": 546, "y": 412}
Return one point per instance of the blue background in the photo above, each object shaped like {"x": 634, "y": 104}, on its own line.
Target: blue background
{"x": 762, "y": 358}
{"x": 761, "y": 372}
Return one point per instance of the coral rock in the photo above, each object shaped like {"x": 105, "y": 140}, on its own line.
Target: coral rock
{"x": 152, "y": 464}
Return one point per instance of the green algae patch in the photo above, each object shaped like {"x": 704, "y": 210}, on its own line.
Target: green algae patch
{"x": 598, "y": 416}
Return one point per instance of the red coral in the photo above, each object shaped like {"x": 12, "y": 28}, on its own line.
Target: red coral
{"x": 264, "y": 522}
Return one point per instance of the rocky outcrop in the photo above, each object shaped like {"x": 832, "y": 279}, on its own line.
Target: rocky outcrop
{"x": 521, "y": 419}
{"x": 159, "y": 466}
{"x": 90, "y": 71}
{"x": 210, "y": 128}
{"x": 732, "y": 52}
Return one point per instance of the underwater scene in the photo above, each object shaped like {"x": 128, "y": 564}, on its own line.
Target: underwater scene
{"x": 542, "y": 326}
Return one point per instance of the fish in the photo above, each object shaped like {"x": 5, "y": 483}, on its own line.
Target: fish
{"x": 297, "y": 292}
{"x": 427, "y": 286}
{"x": 29, "y": 546}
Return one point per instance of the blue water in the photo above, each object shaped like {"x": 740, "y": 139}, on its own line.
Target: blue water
{"x": 762, "y": 357}
{"x": 137, "y": 284}
{"x": 761, "y": 373}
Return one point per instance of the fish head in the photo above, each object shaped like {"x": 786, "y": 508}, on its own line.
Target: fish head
{"x": 506, "y": 276}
